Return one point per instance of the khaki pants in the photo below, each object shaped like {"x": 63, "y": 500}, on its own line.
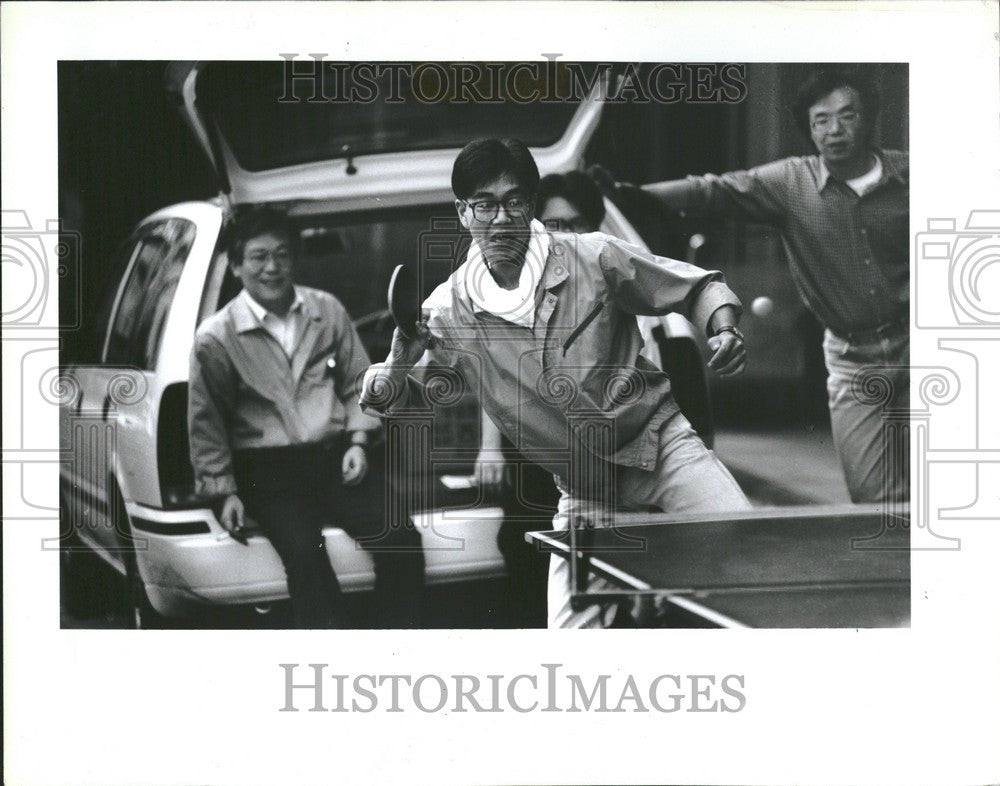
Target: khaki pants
{"x": 869, "y": 388}
{"x": 687, "y": 478}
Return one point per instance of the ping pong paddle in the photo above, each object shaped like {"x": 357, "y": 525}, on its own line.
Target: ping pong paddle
{"x": 404, "y": 300}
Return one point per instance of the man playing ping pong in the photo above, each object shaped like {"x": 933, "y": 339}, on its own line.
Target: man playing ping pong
{"x": 543, "y": 326}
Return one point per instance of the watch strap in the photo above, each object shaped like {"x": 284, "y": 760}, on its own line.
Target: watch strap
{"x": 730, "y": 329}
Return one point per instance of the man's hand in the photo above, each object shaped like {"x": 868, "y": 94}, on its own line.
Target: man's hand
{"x": 610, "y": 186}
{"x": 603, "y": 178}
{"x": 233, "y": 518}
{"x": 385, "y": 383}
{"x": 407, "y": 351}
{"x": 729, "y": 355}
{"x": 489, "y": 468}
{"x": 354, "y": 467}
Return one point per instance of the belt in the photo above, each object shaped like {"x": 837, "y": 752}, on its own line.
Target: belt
{"x": 302, "y": 450}
{"x": 870, "y": 334}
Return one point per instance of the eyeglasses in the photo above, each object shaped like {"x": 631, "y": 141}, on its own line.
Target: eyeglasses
{"x": 487, "y": 209}
{"x": 281, "y": 257}
{"x": 825, "y": 122}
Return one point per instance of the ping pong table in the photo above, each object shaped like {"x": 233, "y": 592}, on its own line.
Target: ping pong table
{"x": 845, "y": 566}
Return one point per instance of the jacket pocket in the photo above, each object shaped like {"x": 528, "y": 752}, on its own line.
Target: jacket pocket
{"x": 582, "y": 326}
{"x": 323, "y": 355}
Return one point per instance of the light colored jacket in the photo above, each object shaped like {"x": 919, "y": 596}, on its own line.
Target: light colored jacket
{"x": 579, "y": 368}
{"x": 245, "y": 393}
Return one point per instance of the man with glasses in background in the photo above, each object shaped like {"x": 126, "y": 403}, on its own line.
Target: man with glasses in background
{"x": 844, "y": 218}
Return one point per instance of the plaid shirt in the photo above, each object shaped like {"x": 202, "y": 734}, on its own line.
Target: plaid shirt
{"x": 849, "y": 255}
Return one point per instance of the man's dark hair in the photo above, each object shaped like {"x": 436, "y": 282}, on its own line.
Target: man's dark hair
{"x": 251, "y": 222}
{"x": 576, "y": 188}
{"x": 484, "y": 160}
{"x": 820, "y": 84}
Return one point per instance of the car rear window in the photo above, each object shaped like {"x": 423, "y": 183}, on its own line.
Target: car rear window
{"x": 157, "y": 258}
{"x": 353, "y": 256}
{"x": 269, "y": 123}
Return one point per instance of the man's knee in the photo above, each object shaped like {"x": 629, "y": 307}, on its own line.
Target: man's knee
{"x": 303, "y": 553}
{"x": 386, "y": 537}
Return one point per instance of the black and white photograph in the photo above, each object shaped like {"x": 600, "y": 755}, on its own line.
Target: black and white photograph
{"x": 346, "y": 376}
{"x": 226, "y": 456}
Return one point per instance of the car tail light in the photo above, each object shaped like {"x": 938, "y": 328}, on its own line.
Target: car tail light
{"x": 173, "y": 458}
{"x": 170, "y": 527}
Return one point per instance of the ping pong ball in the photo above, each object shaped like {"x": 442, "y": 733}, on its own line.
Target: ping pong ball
{"x": 762, "y": 306}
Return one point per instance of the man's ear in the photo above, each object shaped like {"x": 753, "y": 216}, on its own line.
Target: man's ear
{"x": 463, "y": 213}
{"x": 532, "y": 212}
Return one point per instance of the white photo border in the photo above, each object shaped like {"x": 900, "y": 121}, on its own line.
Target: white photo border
{"x": 822, "y": 706}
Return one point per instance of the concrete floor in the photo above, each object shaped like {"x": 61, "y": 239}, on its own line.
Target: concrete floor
{"x": 790, "y": 466}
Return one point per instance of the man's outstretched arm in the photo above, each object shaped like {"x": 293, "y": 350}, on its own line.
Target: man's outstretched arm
{"x": 750, "y": 195}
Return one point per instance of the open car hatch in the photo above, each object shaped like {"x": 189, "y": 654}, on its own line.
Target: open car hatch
{"x": 271, "y": 138}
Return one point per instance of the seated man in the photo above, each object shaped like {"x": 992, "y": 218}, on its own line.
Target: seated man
{"x": 543, "y": 326}
{"x": 277, "y": 433}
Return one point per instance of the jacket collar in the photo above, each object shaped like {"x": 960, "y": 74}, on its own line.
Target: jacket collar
{"x": 556, "y": 271}
{"x": 554, "y": 274}
{"x": 516, "y": 305}
{"x": 248, "y": 314}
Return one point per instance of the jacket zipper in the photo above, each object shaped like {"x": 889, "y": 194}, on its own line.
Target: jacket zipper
{"x": 582, "y": 326}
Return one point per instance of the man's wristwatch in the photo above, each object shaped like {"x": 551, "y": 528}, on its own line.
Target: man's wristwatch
{"x": 731, "y": 329}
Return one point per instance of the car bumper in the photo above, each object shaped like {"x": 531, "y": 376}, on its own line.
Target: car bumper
{"x": 184, "y": 572}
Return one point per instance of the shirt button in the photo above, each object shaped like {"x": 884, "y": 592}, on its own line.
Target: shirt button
{"x": 868, "y": 261}
{"x": 871, "y": 291}
{"x": 550, "y": 299}
{"x": 644, "y": 464}
{"x": 559, "y": 271}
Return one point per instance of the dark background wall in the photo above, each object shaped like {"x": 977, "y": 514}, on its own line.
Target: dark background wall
{"x": 124, "y": 151}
